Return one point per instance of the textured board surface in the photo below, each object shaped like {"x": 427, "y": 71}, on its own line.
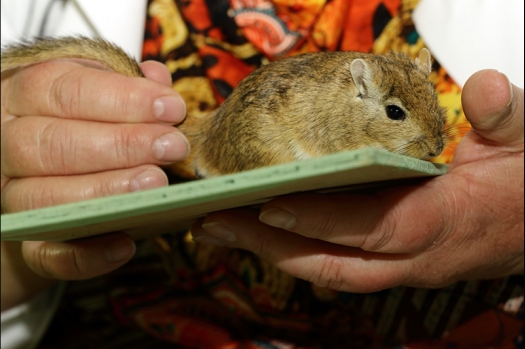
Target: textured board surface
{"x": 177, "y": 206}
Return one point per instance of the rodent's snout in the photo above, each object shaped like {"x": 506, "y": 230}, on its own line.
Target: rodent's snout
{"x": 439, "y": 148}
{"x": 431, "y": 155}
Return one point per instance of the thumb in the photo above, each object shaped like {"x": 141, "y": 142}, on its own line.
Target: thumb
{"x": 494, "y": 107}
{"x": 80, "y": 259}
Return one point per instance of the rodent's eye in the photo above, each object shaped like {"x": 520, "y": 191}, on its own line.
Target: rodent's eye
{"x": 395, "y": 113}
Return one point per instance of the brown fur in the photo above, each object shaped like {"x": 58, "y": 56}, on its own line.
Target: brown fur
{"x": 45, "y": 49}
{"x": 295, "y": 108}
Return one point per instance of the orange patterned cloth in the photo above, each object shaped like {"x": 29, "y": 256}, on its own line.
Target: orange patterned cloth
{"x": 177, "y": 294}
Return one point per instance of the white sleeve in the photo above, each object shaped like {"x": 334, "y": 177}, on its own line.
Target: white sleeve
{"x": 470, "y": 35}
{"x": 23, "y": 326}
{"x": 119, "y": 21}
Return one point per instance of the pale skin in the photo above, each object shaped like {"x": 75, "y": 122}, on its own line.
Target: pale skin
{"x": 73, "y": 130}
{"x": 465, "y": 224}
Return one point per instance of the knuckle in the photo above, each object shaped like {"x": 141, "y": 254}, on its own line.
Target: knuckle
{"x": 41, "y": 261}
{"x": 58, "y": 261}
{"x": 125, "y": 148}
{"x": 329, "y": 274}
{"x": 38, "y": 197}
{"x": 383, "y": 233}
{"x": 64, "y": 94}
{"x": 56, "y": 146}
{"x": 10, "y": 197}
{"x": 19, "y": 195}
{"x": 121, "y": 142}
{"x": 102, "y": 188}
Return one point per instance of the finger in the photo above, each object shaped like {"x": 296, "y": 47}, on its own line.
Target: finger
{"x": 494, "y": 107}
{"x": 36, "y": 192}
{"x": 157, "y": 72}
{"x": 405, "y": 219}
{"x": 324, "y": 264}
{"x": 45, "y": 146}
{"x": 80, "y": 259}
{"x": 68, "y": 89}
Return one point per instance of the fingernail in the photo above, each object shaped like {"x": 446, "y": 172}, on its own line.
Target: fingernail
{"x": 219, "y": 231}
{"x": 208, "y": 240}
{"x": 171, "y": 147}
{"x": 170, "y": 109}
{"x": 278, "y": 218}
{"x": 148, "y": 179}
{"x": 119, "y": 250}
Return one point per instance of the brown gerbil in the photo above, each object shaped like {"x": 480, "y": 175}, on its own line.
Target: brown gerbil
{"x": 292, "y": 109}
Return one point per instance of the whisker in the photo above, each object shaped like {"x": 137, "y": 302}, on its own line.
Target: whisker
{"x": 457, "y": 130}
{"x": 409, "y": 148}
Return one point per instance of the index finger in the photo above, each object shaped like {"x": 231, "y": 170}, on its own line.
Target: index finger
{"x": 73, "y": 90}
{"x": 405, "y": 219}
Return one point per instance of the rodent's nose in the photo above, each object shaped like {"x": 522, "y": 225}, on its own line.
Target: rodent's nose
{"x": 438, "y": 151}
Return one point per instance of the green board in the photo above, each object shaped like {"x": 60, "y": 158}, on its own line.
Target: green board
{"x": 177, "y": 206}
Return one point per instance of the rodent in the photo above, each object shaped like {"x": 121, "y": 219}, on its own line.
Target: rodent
{"x": 294, "y": 108}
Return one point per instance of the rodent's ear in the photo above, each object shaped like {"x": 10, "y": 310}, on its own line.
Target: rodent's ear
{"x": 423, "y": 62}
{"x": 362, "y": 75}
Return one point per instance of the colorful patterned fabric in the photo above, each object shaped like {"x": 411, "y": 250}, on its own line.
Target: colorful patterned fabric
{"x": 178, "y": 294}
{"x": 210, "y": 46}
{"x": 190, "y": 296}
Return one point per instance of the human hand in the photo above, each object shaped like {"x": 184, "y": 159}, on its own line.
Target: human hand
{"x": 74, "y": 130}
{"x": 466, "y": 224}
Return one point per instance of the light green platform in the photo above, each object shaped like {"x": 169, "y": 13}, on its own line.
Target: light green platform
{"x": 161, "y": 210}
